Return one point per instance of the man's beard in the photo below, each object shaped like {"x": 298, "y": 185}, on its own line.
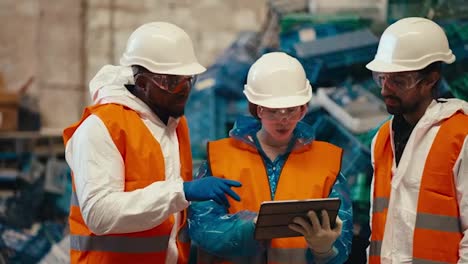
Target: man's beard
{"x": 177, "y": 114}
{"x": 400, "y": 108}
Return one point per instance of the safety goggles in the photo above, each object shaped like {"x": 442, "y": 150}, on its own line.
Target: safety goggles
{"x": 398, "y": 80}
{"x": 291, "y": 113}
{"x": 171, "y": 83}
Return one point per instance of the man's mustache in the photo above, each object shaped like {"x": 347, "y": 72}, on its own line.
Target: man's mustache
{"x": 392, "y": 97}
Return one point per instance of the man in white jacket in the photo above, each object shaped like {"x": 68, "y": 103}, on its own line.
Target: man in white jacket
{"x": 420, "y": 157}
{"x": 130, "y": 155}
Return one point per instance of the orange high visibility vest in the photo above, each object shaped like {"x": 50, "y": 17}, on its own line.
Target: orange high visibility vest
{"x": 144, "y": 164}
{"x": 308, "y": 173}
{"x": 437, "y": 232}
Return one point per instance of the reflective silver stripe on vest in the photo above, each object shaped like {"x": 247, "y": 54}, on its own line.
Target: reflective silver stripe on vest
{"x": 425, "y": 261}
{"x": 379, "y": 204}
{"x": 375, "y": 247}
{"x": 287, "y": 255}
{"x": 74, "y": 199}
{"x": 438, "y": 222}
{"x": 119, "y": 244}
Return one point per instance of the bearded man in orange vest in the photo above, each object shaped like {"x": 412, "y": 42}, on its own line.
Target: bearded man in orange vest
{"x": 130, "y": 155}
{"x": 420, "y": 156}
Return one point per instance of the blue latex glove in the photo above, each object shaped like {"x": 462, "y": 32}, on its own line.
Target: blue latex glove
{"x": 211, "y": 188}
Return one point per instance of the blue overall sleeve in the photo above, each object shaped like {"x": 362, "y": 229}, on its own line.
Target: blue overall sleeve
{"x": 217, "y": 232}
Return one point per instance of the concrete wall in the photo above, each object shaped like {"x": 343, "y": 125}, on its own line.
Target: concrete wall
{"x": 63, "y": 43}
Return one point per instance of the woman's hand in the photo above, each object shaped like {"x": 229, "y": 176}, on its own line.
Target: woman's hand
{"x": 320, "y": 238}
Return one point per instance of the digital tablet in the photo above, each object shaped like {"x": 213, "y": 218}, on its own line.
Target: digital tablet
{"x": 275, "y": 216}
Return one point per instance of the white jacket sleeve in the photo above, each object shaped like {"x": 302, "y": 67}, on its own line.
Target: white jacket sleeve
{"x": 98, "y": 170}
{"x": 461, "y": 181}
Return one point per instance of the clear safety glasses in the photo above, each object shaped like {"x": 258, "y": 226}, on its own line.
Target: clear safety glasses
{"x": 292, "y": 113}
{"x": 398, "y": 80}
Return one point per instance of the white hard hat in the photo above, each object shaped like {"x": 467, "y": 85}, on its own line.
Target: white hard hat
{"x": 411, "y": 44}
{"x": 161, "y": 48}
{"x": 277, "y": 80}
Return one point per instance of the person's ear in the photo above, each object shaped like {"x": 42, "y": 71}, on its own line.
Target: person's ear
{"x": 432, "y": 78}
{"x": 141, "y": 85}
{"x": 259, "y": 112}
{"x": 304, "y": 110}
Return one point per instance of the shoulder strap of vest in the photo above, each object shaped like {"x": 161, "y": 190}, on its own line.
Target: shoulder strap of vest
{"x": 442, "y": 156}
{"x": 383, "y": 136}
{"x": 453, "y": 127}
{"x": 68, "y": 132}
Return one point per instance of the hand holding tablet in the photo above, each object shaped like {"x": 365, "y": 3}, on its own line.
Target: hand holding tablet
{"x": 275, "y": 216}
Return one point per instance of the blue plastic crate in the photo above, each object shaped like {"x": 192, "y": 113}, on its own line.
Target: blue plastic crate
{"x": 356, "y": 164}
{"x": 242, "y": 49}
{"x": 348, "y": 58}
{"x": 201, "y": 115}
{"x": 356, "y": 157}
{"x": 327, "y": 60}
{"x": 216, "y": 90}
{"x": 335, "y": 44}
{"x": 342, "y": 59}
{"x": 314, "y": 114}
{"x": 211, "y": 117}
{"x": 460, "y": 51}
{"x": 233, "y": 65}
{"x": 313, "y": 69}
{"x": 228, "y": 112}
{"x": 309, "y": 31}
{"x": 302, "y": 33}
{"x": 30, "y": 248}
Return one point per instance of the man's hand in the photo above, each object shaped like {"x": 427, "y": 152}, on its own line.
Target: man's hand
{"x": 211, "y": 188}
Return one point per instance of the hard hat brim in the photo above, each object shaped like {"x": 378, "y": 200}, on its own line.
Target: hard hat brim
{"x": 282, "y": 102}
{"x": 290, "y": 101}
{"x": 185, "y": 69}
{"x": 379, "y": 66}
{"x": 188, "y": 69}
